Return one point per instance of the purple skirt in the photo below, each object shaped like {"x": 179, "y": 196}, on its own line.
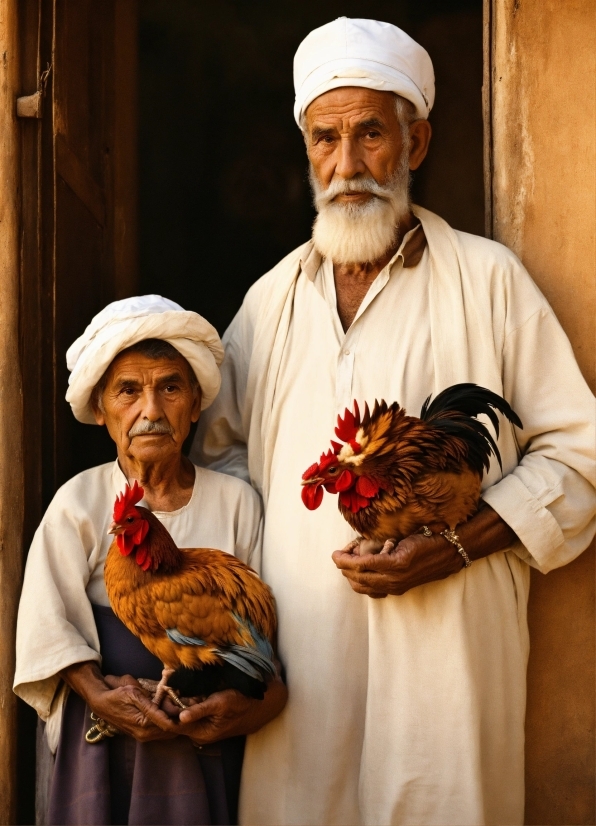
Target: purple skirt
{"x": 121, "y": 781}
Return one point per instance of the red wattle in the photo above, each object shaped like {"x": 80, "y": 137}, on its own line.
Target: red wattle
{"x": 125, "y": 544}
{"x": 312, "y": 496}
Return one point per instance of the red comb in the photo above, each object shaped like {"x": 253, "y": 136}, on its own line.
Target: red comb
{"x": 127, "y": 499}
{"x": 348, "y": 427}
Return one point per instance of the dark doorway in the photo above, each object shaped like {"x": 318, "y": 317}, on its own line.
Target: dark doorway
{"x": 223, "y": 184}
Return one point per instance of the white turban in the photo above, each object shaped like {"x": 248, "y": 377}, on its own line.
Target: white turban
{"x": 124, "y": 323}
{"x": 365, "y": 53}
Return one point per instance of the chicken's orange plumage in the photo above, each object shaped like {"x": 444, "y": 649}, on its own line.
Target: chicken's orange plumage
{"x": 396, "y": 473}
{"x": 202, "y": 612}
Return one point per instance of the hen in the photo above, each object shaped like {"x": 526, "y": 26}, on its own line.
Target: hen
{"x": 396, "y": 474}
{"x": 205, "y": 614}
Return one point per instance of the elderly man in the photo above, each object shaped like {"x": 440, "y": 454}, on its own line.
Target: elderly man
{"x": 144, "y": 368}
{"x": 407, "y": 708}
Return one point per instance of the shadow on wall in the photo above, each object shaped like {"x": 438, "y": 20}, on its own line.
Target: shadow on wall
{"x": 224, "y": 192}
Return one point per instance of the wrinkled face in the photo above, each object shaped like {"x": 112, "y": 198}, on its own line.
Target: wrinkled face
{"x": 360, "y": 159}
{"x": 148, "y": 406}
{"x": 352, "y": 132}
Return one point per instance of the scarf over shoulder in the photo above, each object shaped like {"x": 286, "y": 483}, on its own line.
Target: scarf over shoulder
{"x": 485, "y": 310}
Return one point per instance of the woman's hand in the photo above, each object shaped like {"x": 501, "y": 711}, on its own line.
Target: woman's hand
{"x": 118, "y": 700}
{"x": 223, "y": 714}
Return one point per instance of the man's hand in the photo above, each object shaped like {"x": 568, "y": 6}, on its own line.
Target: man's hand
{"x": 118, "y": 700}
{"x": 224, "y": 714}
{"x": 418, "y": 559}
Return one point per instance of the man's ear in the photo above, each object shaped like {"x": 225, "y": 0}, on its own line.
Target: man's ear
{"x": 99, "y": 416}
{"x": 196, "y": 405}
{"x": 420, "y": 134}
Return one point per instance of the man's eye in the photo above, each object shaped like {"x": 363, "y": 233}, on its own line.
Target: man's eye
{"x": 372, "y": 134}
{"x": 128, "y": 391}
{"x": 171, "y": 388}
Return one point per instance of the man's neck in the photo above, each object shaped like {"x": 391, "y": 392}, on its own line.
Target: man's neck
{"x": 168, "y": 484}
{"x": 352, "y": 281}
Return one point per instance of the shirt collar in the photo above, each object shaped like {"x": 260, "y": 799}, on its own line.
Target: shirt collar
{"x": 411, "y": 250}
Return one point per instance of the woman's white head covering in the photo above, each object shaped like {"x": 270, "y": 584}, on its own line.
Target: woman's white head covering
{"x": 365, "y": 53}
{"x": 124, "y": 323}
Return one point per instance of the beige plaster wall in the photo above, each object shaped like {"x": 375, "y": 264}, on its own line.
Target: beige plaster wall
{"x": 542, "y": 117}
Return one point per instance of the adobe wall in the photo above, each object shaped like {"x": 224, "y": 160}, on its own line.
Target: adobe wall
{"x": 543, "y": 131}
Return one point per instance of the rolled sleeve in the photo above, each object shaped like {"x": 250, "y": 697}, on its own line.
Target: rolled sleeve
{"x": 55, "y": 626}
{"x": 549, "y": 499}
{"x": 537, "y": 529}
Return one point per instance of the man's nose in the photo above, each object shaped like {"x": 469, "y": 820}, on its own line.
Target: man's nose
{"x": 152, "y": 409}
{"x": 349, "y": 163}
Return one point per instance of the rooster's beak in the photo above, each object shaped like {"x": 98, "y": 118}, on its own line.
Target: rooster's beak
{"x": 115, "y": 529}
{"x": 314, "y": 481}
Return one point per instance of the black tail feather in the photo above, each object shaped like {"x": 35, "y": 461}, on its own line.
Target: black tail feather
{"x": 200, "y": 682}
{"x": 469, "y": 401}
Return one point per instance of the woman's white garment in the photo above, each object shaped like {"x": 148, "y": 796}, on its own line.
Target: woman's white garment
{"x": 404, "y": 710}
{"x": 64, "y": 572}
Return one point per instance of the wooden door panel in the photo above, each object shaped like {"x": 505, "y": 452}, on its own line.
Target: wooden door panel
{"x": 84, "y": 250}
{"x": 81, "y": 291}
{"x": 77, "y": 172}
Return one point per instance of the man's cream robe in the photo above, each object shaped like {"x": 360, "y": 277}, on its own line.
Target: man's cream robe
{"x": 409, "y": 710}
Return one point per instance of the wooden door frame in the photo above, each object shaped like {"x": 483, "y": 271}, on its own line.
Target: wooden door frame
{"x": 11, "y": 410}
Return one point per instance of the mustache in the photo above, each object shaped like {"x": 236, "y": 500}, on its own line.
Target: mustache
{"x": 342, "y": 186}
{"x": 160, "y": 426}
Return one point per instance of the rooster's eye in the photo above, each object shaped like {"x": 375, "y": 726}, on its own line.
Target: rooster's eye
{"x": 130, "y": 519}
{"x": 332, "y": 470}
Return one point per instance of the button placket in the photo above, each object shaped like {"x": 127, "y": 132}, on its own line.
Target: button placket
{"x": 345, "y": 368}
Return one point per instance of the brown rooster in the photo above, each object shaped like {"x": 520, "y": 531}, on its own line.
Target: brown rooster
{"x": 205, "y": 614}
{"x": 397, "y": 474}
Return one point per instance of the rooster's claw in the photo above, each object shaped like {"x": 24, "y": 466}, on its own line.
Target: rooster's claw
{"x": 353, "y": 545}
{"x": 151, "y": 688}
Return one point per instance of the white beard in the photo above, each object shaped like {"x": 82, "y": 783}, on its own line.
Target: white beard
{"x": 360, "y": 233}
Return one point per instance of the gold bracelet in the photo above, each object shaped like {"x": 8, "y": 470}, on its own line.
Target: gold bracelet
{"x": 100, "y": 730}
{"x": 452, "y": 537}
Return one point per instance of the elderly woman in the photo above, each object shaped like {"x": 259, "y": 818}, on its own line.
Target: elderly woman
{"x": 144, "y": 368}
